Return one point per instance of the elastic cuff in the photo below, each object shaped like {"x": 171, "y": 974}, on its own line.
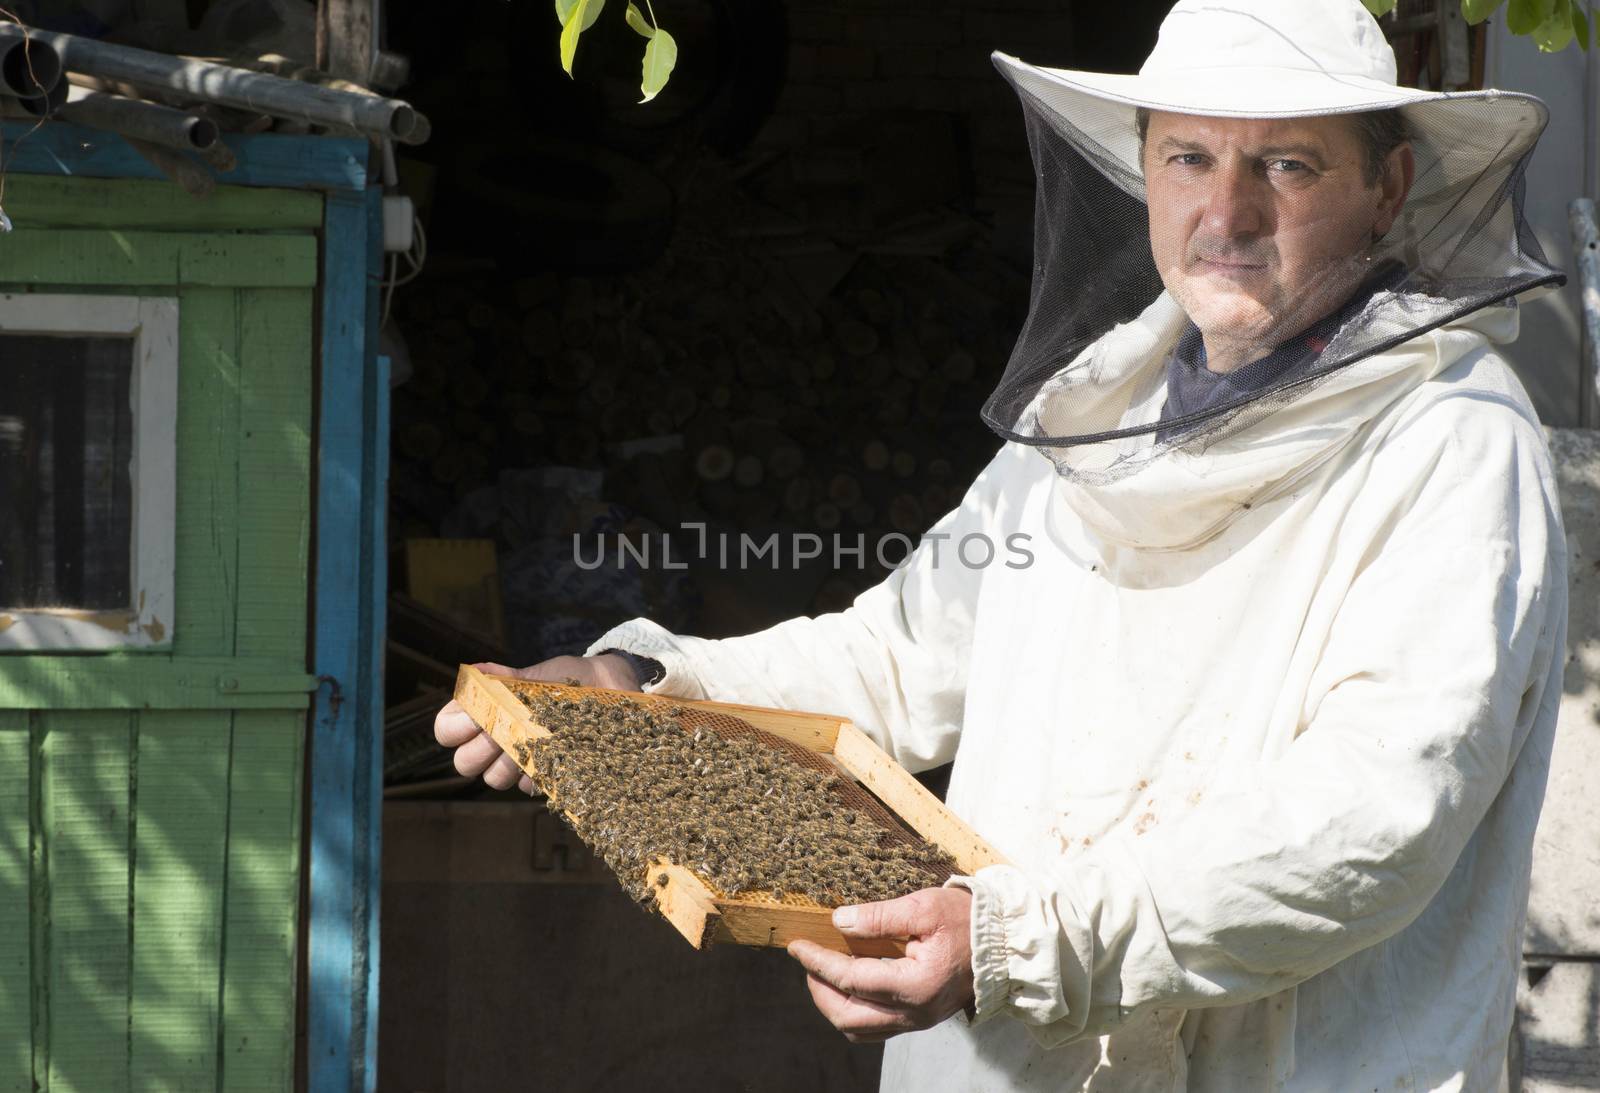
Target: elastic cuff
{"x": 990, "y": 980}
{"x": 646, "y": 670}
{"x": 644, "y": 638}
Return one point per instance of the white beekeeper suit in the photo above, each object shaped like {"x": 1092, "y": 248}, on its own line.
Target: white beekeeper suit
{"x": 1262, "y": 729}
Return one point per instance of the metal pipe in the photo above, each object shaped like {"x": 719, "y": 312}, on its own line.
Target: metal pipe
{"x": 1586, "y": 252}
{"x": 28, "y": 67}
{"x": 226, "y": 117}
{"x": 145, "y": 121}
{"x": 40, "y": 106}
{"x": 230, "y": 86}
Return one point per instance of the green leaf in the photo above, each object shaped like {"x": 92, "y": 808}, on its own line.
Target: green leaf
{"x": 637, "y": 21}
{"x": 1580, "y": 26}
{"x": 564, "y": 9}
{"x": 659, "y": 57}
{"x": 1527, "y": 16}
{"x": 570, "y": 31}
{"x": 1379, "y": 7}
{"x": 1476, "y": 11}
{"x": 1555, "y": 33}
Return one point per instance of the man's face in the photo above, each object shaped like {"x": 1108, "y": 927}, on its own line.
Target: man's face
{"x": 1259, "y": 227}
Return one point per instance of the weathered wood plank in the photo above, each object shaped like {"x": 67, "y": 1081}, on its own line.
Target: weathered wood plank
{"x": 16, "y": 957}
{"x": 274, "y": 476}
{"x": 340, "y": 826}
{"x": 375, "y": 563}
{"x": 155, "y": 681}
{"x": 208, "y": 474}
{"x": 265, "y": 159}
{"x": 39, "y": 898}
{"x": 85, "y": 806}
{"x": 348, "y": 34}
{"x": 40, "y": 201}
{"x": 316, "y": 163}
{"x": 262, "y": 902}
{"x": 180, "y": 847}
{"x": 95, "y": 256}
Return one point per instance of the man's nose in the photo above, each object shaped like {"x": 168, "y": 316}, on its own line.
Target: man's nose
{"x": 1234, "y": 205}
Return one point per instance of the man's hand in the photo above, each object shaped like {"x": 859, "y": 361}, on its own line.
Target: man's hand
{"x": 476, "y": 751}
{"x": 870, "y": 999}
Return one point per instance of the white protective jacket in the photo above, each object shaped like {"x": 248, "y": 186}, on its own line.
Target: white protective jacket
{"x": 1263, "y": 732}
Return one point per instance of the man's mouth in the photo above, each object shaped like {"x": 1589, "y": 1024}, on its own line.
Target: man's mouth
{"x": 1229, "y": 270}
{"x": 1228, "y": 264}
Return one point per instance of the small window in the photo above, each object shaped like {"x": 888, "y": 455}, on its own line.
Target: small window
{"x": 88, "y": 405}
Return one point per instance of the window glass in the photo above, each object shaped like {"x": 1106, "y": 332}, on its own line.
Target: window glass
{"x": 66, "y": 498}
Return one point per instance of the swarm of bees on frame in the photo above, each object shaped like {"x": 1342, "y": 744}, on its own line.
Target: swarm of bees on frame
{"x": 640, "y": 782}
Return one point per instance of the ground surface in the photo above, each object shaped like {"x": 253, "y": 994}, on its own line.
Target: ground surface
{"x": 496, "y": 985}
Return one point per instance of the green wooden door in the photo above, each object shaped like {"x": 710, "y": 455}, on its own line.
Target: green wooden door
{"x": 150, "y": 801}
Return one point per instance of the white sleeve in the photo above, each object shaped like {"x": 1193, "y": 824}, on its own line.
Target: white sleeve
{"x": 894, "y": 662}
{"x": 1444, "y": 655}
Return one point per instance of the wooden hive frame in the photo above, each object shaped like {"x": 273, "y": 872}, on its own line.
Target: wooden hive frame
{"x": 695, "y": 909}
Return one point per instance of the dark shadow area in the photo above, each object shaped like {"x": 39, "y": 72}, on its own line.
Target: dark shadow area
{"x": 519, "y": 982}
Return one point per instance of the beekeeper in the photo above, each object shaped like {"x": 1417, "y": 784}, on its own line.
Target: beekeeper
{"x": 1262, "y": 720}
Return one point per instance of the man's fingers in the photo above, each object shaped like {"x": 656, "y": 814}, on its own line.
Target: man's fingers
{"x": 904, "y": 917}
{"x": 502, "y": 773}
{"x": 525, "y": 784}
{"x": 483, "y": 756}
{"x": 863, "y": 1020}
{"x": 863, "y": 977}
{"x": 452, "y": 727}
{"x": 475, "y": 756}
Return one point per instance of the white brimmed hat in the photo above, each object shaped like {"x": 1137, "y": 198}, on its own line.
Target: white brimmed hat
{"x": 1283, "y": 58}
{"x": 1087, "y": 382}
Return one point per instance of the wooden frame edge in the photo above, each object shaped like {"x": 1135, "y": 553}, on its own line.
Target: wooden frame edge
{"x": 495, "y": 710}
{"x": 910, "y": 800}
{"x": 684, "y": 901}
{"x": 814, "y": 731}
{"x": 774, "y": 926}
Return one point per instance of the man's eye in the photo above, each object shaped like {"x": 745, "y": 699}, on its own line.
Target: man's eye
{"x": 1287, "y": 165}
{"x": 1188, "y": 159}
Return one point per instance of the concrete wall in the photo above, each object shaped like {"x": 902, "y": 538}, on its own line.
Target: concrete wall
{"x": 1557, "y": 1046}
{"x": 1565, "y": 165}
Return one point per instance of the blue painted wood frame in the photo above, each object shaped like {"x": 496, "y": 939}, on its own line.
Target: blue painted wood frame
{"x": 265, "y": 159}
{"x": 346, "y": 795}
{"x": 375, "y": 547}
{"x": 375, "y": 553}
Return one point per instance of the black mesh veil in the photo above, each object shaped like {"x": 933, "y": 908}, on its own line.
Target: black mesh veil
{"x": 1109, "y": 371}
